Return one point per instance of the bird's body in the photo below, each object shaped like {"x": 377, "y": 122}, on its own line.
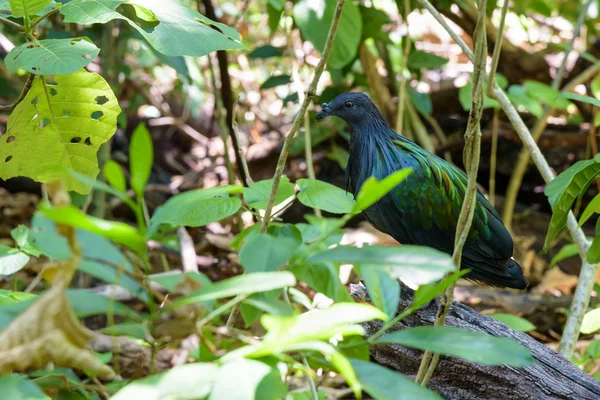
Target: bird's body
{"x": 425, "y": 207}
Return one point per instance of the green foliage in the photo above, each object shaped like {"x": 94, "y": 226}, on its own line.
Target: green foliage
{"x": 276, "y": 80}
{"x": 266, "y": 252}
{"x": 579, "y": 97}
{"x": 170, "y": 27}
{"x": 11, "y": 260}
{"x": 417, "y": 264}
{"x": 428, "y": 292}
{"x": 372, "y": 190}
{"x": 471, "y": 346}
{"x": 593, "y": 207}
{"x": 421, "y": 101}
{"x": 418, "y": 59}
{"x": 266, "y": 51}
{"x": 593, "y": 253}
{"x": 517, "y": 323}
{"x": 518, "y": 95}
{"x": 15, "y": 386}
{"x": 22, "y": 8}
{"x": 591, "y": 321}
{"x": 254, "y": 380}
{"x": 546, "y": 94}
{"x": 257, "y": 195}
{"x": 140, "y": 158}
{"x": 564, "y": 189}
{"x": 52, "y": 56}
{"x": 114, "y": 175}
{"x": 42, "y": 127}
{"x": 383, "y": 288}
{"x": 313, "y": 19}
{"x": 465, "y": 94}
{"x": 324, "y": 196}
{"x": 568, "y": 250}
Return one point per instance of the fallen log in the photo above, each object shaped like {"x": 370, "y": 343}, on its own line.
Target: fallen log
{"x": 550, "y": 376}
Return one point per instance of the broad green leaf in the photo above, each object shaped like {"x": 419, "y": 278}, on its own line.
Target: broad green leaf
{"x": 131, "y": 329}
{"x": 374, "y": 21}
{"x": 591, "y": 321}
{"x": 274, "y": 17}
{"x": 595, "y": 86}
{"x": 324, "y": 196}
{"x": 546, "y": 94}
{"x": 141, "y": 156}
{"x": 564, "y": 189}
{"x": 59, "y": 125}
{"x": 52, "y": 56}
{"x": 272, "y": 306}
{"x": 99, "y": 185}
{"x": 425, "y": 293}
{"x": 418, "y": 59}
{"x": 242, "y": 284}
{"x": 319, "y": 226}
{"x": 417, "y": 264}
{"x": 257, "y": 195}
{"x": 306, "y": 395}
{"x": 11, "y": 260}
{"x": 9, "y": 297}
{"x": 323, "y": 278}
{"x": 384, "y": 289}
{"x": 421, "y": 101}
{"x": 593, "y": 349}
{"x": 20, "y": 8}
{"x": 385, "y": 384}
{"x": 111, "y": 275}
{"x": 118, "y": 232}
{"x": 285, "y": 230}
{"x": 189, "y": 381}
{"x": 267, "y": 253}
{"x": 15, "y": 386}
{"x": 249, "y": 375}
{"x": 592, "y": 207}
{"x": 197, "y": 207}
{"x": 520, "y": 98}
{"x": 517, "y": 323}
{"x": 593, "y": 253}
{"x": 578, "y": 97}
{"x": 25, "y": 240}
{"x": 568, "y": 250}
{"x": 276, "y": 80}
{"x": 114, "y": 175}
{"x": 266, "y": 51}
{"x": 373, "y": 190}
{"x": 472, "y": 346}
{"x": 314, "y": 18}
{"x": 173, "y": 29}
{"x": 169, "y": 281}
{"x": 465, "y": 96}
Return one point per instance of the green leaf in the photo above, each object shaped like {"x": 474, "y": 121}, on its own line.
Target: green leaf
{"x": 324, "y": 196}
{"x": 376, "y": 19}
{"x": 339, "y": 155}
{"x": 266, "y": 51}
{"x": 249, "y": 375}
{"x": 197, "y": 208}
{"x": 384, "y": 289}
{"x": 564, "y": 189}
{"x": 11, "y": 260}
{"x": 60, "y": 125}
{"x": 591, "y": 321}
{"x": 15, "y": 386}
{"x": 257, "y": 195}
{"x": 418, "y": 59}
{"x": 384, "y": 384}
{"x": 20, "y": 8}
{"x": 118, "y": 232}
{"x": 579, "y": 97}
{"x": 131, "y": 329}
{"x": 284, "y": 230}
{"x": 263, "y": 253}
{"x": 593, "y": 254}
{"x": 373, "y": 190}
{"x": 465, "y": 96}
{"x": 276, "y": 80}
{"x": 592, "y": 207}
{"x": 426, "y": 293}
{"x": 314, "y": 18}
{"x": 274, "y": 17}
{"x": 141, "y": 155}
{"x": 189, "y": 381}
{"x": 421, "y": 101}
{"x": 114, "y": 175}
{"x": 595, "y": 86}
{"x": 111, "y": 275}
{"x": 242, "y": 284}
{"x": 472, "y": 346}
{"x": 169, "y": 281}
{"x": 517, "y": 323}
{"x": 546, "y": 94}
{"x": 10, "y": 297}
{"x": 52, "y": 56}
{"x": 520, "y": 98}
{"x": 99, "y": 185}
{"x": 323, "y": 278}
{"x": 25, "y": 241}
{"x": 417, "y": 264}
{"x": 568, "y": 250}
{"x": 174, "y": 29}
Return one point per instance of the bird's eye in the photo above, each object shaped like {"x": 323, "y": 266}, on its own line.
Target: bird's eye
{"x": 348, "y": 104}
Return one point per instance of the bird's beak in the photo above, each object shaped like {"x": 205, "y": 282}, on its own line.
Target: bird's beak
{"x": 325, "y": 112}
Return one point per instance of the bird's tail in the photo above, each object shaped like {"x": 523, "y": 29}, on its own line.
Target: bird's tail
{"x": 510, "y": 276}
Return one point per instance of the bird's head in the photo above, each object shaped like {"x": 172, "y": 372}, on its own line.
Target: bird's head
{"x": 353, "y": 107}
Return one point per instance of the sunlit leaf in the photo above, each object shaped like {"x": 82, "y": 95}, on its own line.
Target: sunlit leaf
{"x": 517, "y": 323}
{"x": 257, "y": 195}
{"x": 324, "y": 196}
{"x": 141, "y": 155}
{"x": 384, "y": 289}
{"x": 267, "y": 253}
{"x": 372, "y": 190}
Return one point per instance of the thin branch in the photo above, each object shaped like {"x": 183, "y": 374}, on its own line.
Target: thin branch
{"x": 13, "y": 24}
{"x": 497, "y": 49}
{"x": 43, "y": 17}
{"x": 403, "y": 63}
{"x": 310, "y": 93}
{"x": 471, "y": 161}
{"x": 9, "y": 108}
{"x": 493, "y": 157}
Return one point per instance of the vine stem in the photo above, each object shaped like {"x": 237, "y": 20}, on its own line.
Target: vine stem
{"x": 299, "y": 118}
{"x": 523, "y": 161}
{"x": 471, "y": 161}
{"x": 588, "y": 271}
{"x": 403, "y": 63}
{"x": 13, "y": 24}
{"x": 497, "y": 50}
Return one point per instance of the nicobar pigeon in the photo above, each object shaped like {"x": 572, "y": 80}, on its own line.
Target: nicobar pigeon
{"x": 424, "y": 208}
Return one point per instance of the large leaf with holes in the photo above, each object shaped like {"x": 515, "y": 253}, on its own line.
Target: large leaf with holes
{"x": 170, "y": 27}
{"x": 59, "y": 125}
{"x": 314, "y": 17}
{"x": 564, "y": 189}
{"x": 52, "y": 56}
{"x": 20, "y": 8}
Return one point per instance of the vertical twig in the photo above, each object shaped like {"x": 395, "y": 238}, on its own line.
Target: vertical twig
{"x": 493, "y": 157}
{"x": 402, "y": 90}
{"x": 310, "y": 93}
{"x": 497, "y": 49}
{"x": 471, "y": 161}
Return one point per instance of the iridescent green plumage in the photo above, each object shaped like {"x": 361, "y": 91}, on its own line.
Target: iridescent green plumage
{"x": 423, "y": 209}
